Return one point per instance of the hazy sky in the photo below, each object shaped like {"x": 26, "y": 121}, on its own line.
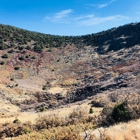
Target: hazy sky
{"x": 68, "y": 17}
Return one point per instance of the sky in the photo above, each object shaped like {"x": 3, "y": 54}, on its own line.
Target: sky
{"x": 69, "y": 17}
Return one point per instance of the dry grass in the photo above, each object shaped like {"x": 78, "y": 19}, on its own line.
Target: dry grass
{"x": 69, "y": 82}
{"x": 122, "y": 131}
{"x": 55, "y": 90}
{"x": 31, "y": 116}
{"x": 69, "y": 126}
{"x": 59, "y": 133}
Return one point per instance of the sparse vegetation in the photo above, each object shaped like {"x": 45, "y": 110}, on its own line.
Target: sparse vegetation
{"x": 12, "y": 79}
{"x": 16, "y": 68}
{"x": 67, "y": 126}
{"x": 16, "y": 85}
{"x": 2, "y": 62}
{"x": 21, "y": 58}
{"x": 5, "y": 56}
{"x": 27, "y": 130}
{"x": 44, "y": 88}
{"x": 23, "y": 37}
{"x": 16, "y": 121}
{"x": 27, "y": 56}
{"x": 33, "y": 57}
{"x": 11, "y": 51}
{"x": 38, "y": 48}
{"x": 43, "y": 109}
{"x": 96, "y": 71}
{"x": 121, "y": 112}
{"x": 91, "y": 111}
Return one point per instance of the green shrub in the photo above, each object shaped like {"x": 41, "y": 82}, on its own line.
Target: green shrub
{"x": 16, "y": 121}
{"x": 21, "y": 48}
{"x": 12, "y": 79}
{"x": 16, "y": 85}
{"x": 33, "y": 57}
{"x": 23, "y": 52}
{"x": 16, "y": 68}
{"x": 11, "y": 51}
{"x": 28, "y": 48}
{"x": 38, "y": 48}
{"x": 21, "y": 58}
{"x": 2, "y": 62}
{"x": 58, "y": 60}
{"x": 91, "y": 111}
{"x": 43, "y": 109}
{"x": 44, "y": 88}
{"x": 5, "y": 56}
{"x": 121, "y": 112}
{"x": 27, "y": 130}
{"x": 27, "y": 56}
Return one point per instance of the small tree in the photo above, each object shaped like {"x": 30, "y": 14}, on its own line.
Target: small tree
{"x": 38, "y": 48}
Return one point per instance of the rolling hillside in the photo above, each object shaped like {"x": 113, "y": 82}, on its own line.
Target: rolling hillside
{"x": 42, "y": 71}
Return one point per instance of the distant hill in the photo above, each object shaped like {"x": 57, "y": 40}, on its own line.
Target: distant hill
{"x": 105, "y": 41}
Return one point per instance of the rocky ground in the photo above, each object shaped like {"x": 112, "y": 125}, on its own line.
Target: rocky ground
{"x": 68, "y": 75}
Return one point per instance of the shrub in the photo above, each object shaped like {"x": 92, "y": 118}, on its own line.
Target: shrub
{"x": 28, "y": 48}
{"x": 23, "y": 52}
{"x": 5, "y": 56}
{"x": 33, "y": 57}
{"x": 16, "y": 121}
{"x": 45, "y": 122}
{"x": 21, "y": 48}
{"x": 27, "y": 130}
{"x": 16, "y": 85}
{"x": 121, "y": 112}
{"x": 91, "y": 110}
{"x": 43, "y": 109}
{"x": 79, "y": 116}
{"x": 27, "y": 56}
{"x": 2, "y": 62}
{"x": 3, "y": 47}
{"x": 96, "y": 103}
{"x": 38, "y": 49}
{"x": 11, "y": 51}
{"x": 21, "y": 58}
{"x": 15, "y": 129}
{"x": 16, "y": 68}
{"x": 44, "y": 88}
{"x": 68, "y": 135}
{"x": 58, "y": 60}
{"x": 12, "y": 79}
